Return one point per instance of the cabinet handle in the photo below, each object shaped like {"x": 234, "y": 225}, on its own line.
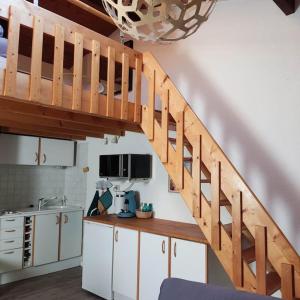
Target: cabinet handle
{"x": 175, "y": 249}
{"x": 44, "y": 158}
{"x": 36, "y": 157}
{"x": 57, "y": 220}
{"x": 163, "y": 247}
{"x": 13, "y": 230}
{"x": 117, "y": 236}
{"x": 11, "y": 252}
{"x": 10, "y": 220}
{"x": 8, "y": 242}
{"x": 66, "y": 219}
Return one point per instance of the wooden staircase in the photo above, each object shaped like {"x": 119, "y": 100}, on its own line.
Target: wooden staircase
{"x": 252, "y": 249}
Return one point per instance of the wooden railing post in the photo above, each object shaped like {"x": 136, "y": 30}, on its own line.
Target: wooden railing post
{"x": 180, "y": 149}
{"x": 237, "y": 221}
{"x": 125, "y": 76}
{"x": 151, "y": 105}
{"x": 215, "y": 205}
{"x": 77, "y": 71}
{"x": 95, "y": 69}
{"x": 110, "y": 81}
{"x": 287, "y": 282}
{"x": 196, "y": 171}
{"x": 12, "y": 53}
{"x": 36, "y": 59}
{"x": 165, "y": 127}
{"x": 58, "y": 66}
{"x": 138, "y": 89}
{"x": 261, "y": 259}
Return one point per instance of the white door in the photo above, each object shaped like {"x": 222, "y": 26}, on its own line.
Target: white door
{"x": 97, "y": 259}
{"x": 125, "y": 263}
{"x": 154, "y": 261}
{"x": 70, "y": 234}
{"x": 57, "y": 152}
{"x": 18, "y": 149}
{"x": 188, "y": 260}
{"x": 46, "y": 236}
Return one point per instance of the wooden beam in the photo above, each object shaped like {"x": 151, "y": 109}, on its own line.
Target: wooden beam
{"x": 77, "y": 71}
{"x": 40, "y": 133}
{"x": 35, "y": 109}
{"x": 58, "y": 66}
{"x": 36, "y": 59}
{"x": 111, "y": 65}
{"x": 10, "y": 79}
{"x": 95, "y": 68}
{"x": 165, "y": 127}
{"x": 261, "y": 259}
{"x": 86, "y": 129}
{"x": 124, "y": 89}
{"x": 237, "y": 222}
{"x": 287, "y": 6}
{"x": 92, "y": 11}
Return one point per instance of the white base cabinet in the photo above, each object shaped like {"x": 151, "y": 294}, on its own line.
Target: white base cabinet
{"x": 46, "y": 237}
{"x": 70, "y": 235}
{"x": 154, "y": 264}
{"x": 98, "y": 259}
{"x": 125, "y": 266}
{"x": 188, "y": 260}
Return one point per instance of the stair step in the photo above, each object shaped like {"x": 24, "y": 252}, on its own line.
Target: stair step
{"x": 188, "y": 159}
{"x": 273, "y": 283}
{"x": 228, "y": 228}
{"x": 249, "y": 254}
{"x": 224, "y": 202}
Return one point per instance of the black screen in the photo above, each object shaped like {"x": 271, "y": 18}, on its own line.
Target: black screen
{"x": 109, "y": 166}
{"x": 140, "y": 166}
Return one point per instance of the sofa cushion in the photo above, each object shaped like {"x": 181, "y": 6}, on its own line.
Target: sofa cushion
{"x": 178, "y": 289}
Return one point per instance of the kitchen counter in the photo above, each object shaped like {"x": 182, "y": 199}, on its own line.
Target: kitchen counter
{"x": 190, "y": 232}
{"x": 32, "y": 211}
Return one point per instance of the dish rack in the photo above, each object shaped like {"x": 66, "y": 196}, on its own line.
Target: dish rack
{"x": 28, "y": 240}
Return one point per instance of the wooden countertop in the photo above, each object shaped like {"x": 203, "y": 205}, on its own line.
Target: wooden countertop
{"x": 185, "y": 231}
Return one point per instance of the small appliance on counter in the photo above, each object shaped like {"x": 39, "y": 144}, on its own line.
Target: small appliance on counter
{"x": 130, "y": 205}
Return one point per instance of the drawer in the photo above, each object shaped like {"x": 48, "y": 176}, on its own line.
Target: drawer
{"x": 11, "y": 244}
{"x": 11, "y": 233}
{"x": 11, "y": 222}
{"x": 11, "y": 260}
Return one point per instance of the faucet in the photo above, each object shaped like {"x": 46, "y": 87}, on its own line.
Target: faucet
{"x": 44, "y": 201}
{"x": 64, "y": 200}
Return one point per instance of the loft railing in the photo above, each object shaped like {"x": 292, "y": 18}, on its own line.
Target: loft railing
{"x": 34, "y": 87}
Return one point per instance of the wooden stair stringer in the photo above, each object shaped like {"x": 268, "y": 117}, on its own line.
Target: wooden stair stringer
{"x": 280, "y": 249}
{"x": 225, "y": 254}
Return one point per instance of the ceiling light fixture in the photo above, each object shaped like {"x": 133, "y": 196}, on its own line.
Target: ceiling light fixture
{"x": 159, "y": 20}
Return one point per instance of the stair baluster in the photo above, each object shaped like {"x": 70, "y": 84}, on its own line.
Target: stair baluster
{"x": 151, "y": 106}
{"x": 179, "y": 149}
{"x": 165, "y": 127}
{"x": 287, "y": 282}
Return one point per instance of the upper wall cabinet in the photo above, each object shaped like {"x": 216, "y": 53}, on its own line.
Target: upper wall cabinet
{"x": 56, "y": 153}
{"x": 27, "y": 150}
{"x": 18, "y": 150}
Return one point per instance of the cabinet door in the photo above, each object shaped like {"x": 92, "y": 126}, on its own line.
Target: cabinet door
{"x": 18, "y": 150}
{"x": 97, "y": 259}
{"x": 57, "y": 152}
{"x": 154, "y": 261}
{"x": 188, "y": 260}
{"x": 46, "y": 236}
{"x": 125, "y": 263}
{"x": 70, "y": 235}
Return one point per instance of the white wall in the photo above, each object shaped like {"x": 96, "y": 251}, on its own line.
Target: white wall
{"x": 166, "y": 205}
{"x": 241, "y": 74}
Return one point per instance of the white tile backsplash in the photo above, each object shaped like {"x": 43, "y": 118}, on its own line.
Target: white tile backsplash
{"x": 21, "y": 186}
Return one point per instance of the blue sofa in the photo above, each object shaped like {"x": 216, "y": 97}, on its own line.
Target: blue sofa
{"x": 178, "y": 289}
